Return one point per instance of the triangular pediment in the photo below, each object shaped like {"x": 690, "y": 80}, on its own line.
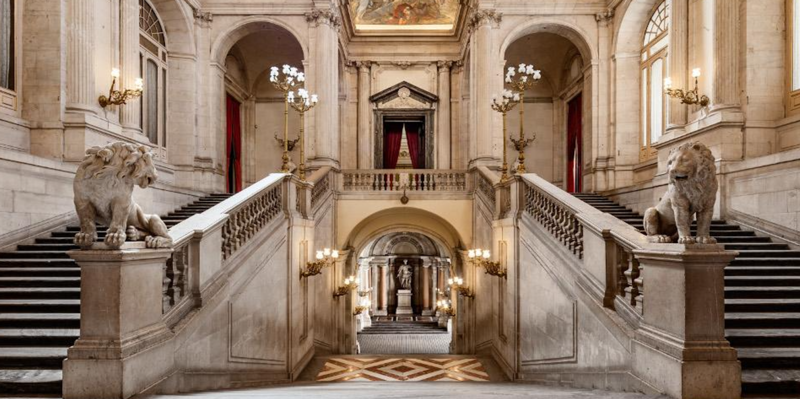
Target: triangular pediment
{"x": 397, "y": 92}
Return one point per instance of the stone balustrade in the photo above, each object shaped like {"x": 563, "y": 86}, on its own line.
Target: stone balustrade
{"x": 412, "y": 180}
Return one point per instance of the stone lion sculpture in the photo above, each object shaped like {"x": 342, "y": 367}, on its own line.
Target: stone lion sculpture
{"x": 692, "y": 191}
{"x": 103, "y": 189}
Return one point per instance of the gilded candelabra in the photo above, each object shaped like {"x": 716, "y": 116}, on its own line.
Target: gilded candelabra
{"x": 302, "y": 103}
{"x": 350, "y": 284}
{"x": 119, "y": 97}
{"x": 527, "y": 77}
{"x": 286, "y": 80}
{"x": 458, "y": 284}
{"x": 443, "y": 307}
{"x": 360, "y": 309}
{"x": 325, "y": 258}
{"x": 480, "y": 258}
{"x": 505, "y": 104}
{"x": 690, "y": 97}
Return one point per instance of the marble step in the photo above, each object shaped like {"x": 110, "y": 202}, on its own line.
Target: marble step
{"x": 769, "y": 357}
{"x": 71, "y": 234}
{"x": 762, "y": 292}
{"x": 40, "y": 305}
{"x": 747, "y": 239}
{"x": 757, "y": 271}
{"x": 22, "y": 383}
{"x": 40, "y": 271}
{"x": 40, "y": 293}
{"x": 37, "y": 263}
{"x": 763, "y": 304}
{"x": 761, "y": 337}
{"x": 771, "y": 382}
{"x": 766, "y": 261}
{"x": 762, "y": 281}
{"x": 760, "y": 246}
{"x": 764, "y": 253}
{"x": 34, "y": 255}
{"x": 38, "y": 336}
{"x": 39, "y": 357}
{"x": 47, "y": 247}
{"x": 40, "y": 282}
{"x": 40, "y": 320}
{"x": 735, "y": 320}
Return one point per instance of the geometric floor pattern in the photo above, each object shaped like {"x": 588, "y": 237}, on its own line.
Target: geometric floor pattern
{"x": 404, "y": 344}
{"x": 450, "y": 369}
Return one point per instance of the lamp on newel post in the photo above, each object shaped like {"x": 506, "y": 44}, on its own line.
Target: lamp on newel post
{"x": 506, "y": 103}
{"x": 302, "y": 103}
{"x": 519, "y": 84}
{"x": 286, "y": 80}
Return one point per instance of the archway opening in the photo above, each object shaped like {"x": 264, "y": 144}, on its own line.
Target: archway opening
{"x": 254, "y": 106}
{"x": 406, "y": 275}
{"x": 552, "y": 107}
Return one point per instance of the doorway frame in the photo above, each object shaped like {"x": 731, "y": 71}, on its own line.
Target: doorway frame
{"x": 384, "y": 115}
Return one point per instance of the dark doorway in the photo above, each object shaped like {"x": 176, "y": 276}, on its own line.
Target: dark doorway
{"x": 574, "y": 145}
{"x": 404, "y": 144}
{"x": 233, "y": 146}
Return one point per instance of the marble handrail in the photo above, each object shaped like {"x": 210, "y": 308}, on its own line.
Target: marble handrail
{"x": 423, "y": 180}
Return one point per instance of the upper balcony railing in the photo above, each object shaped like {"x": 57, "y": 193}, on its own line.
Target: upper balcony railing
{"x": 411, "y": 180}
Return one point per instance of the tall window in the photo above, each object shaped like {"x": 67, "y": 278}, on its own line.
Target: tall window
{"x": 793, "y": 49}
{"x": 153, "y": 68}
{"x": 7, "y": 54}
{"x": 654, "y": 70}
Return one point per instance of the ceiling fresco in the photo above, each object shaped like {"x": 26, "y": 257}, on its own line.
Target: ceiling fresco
{"x": 404, "y": 14}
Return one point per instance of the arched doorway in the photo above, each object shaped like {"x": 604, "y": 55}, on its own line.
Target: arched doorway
{"x": 558, "y": 109}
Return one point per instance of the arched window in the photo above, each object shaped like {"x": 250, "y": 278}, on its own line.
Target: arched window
{"x": 8, "y": 54}
{"x": 153, "y": 68}
{"x": 654, "y": 70}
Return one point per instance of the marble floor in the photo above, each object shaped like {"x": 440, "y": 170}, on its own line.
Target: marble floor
{"x": 431, "y": 368}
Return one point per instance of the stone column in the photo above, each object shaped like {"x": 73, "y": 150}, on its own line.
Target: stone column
{"x": 81, "y": 93}
{"x": 383, "y": 291}
{"x": 129, "y": 62}
{"x": 325, "y": 129}
{"x": 364, "y": 138}
{"x": 726, "y": 54}
{"x": 426, "y": 288}
{"x": 678, "y": 60}
{"x": 682, "y": 334}
{"x": 487, "y": 149}
{"x": 443, "y": 134}
{"x": 434, "y": 285}
{"x": 118, "y": 353}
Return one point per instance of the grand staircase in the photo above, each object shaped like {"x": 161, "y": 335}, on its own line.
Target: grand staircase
{"x": 762, "y": 302}
{"x": 404, "y": 327}
{"x": 40, "y": 307}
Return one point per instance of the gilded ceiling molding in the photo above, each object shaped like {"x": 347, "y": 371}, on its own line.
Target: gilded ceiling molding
{"x": 328, "y": 17}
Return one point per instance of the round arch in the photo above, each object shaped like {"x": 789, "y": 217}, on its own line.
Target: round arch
{"x": 230, "y": 36}
{"x": 629, "y": 32}
{"x": 575, "y": 34}
{"x": 178, "y": 23}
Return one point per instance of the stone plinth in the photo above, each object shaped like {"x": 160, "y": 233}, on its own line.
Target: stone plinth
{"x": 404, "y": 302}
{"x": 121, "y": 321}
{"x": 680, "y": 347}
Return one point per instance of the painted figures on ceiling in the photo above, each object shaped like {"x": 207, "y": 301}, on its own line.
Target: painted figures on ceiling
{"x": 404, "y": 12}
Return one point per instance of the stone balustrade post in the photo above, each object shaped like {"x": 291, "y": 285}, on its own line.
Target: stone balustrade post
{"x": 121, "y": 324}
{"x": 680, "y": 346}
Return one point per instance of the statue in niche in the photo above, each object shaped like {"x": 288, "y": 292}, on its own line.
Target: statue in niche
{"x": 404, "y": 275}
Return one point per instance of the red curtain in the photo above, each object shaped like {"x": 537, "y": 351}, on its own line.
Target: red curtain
{"x": 412, "y": 136}
{"x": 233, "y": 175}
{"x": 574, "y": 145}
{"x": 391, "y": 145}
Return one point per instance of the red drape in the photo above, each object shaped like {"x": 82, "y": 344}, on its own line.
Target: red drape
{"x": 412, "y": 136}
{"x": 391, "y": 145}
{"x": 233, "y": 175}
{"x": 574, "y": 145}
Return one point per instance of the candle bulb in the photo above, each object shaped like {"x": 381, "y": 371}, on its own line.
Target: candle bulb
{"x": 319, "y": 255}
{"x": 696, "y": 73}
{"x": 334, "y": 254}
{"x": 139, "y": 84}
{"x": 471, "y": 253}
{"x": 114, "y": 73}
{"x": 487, "y": 254}
{"x": 326, "y": 251}
{"x": 667, "y": 83}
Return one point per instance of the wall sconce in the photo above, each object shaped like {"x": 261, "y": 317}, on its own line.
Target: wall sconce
{"x": 117, "y": 97}
{"x": 364, "y": 293}
{"x": 444, "y": 307}
{"x": 325, "y": 258}
{"x": 458, "y": 284}
{"x": 362, "y": 308}
{"x": 350, "y": 284}
{"x": 480, "y": 257}
{"x": 690, "y": 97}
{"x": 290, "y": 145}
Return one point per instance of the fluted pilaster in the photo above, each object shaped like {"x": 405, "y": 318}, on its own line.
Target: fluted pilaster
{"x": 129, "y": 61}
{"x": 365, "y": 146}
{"x": 81, "y": 95}
{"x": 443, "y": 133}
{"x": 726, "y": 53}
{"x": 326, "y": 84}
{"x": 487, "y": 78}
{"x": 678, "y": 59}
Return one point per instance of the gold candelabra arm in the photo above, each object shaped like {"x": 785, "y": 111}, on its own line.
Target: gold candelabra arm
{"x": 360, "y": 309}
{"x": 493, "y": 268}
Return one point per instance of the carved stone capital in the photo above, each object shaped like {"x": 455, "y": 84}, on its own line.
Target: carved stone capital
{"x": 327, "y": 17}
{"x": 363, "y": 65}
{"x": 605, "y": 16}
{"x": 203, "y": 17}
{"x": 444, "y": 66}
{"x": 484, "y": 17}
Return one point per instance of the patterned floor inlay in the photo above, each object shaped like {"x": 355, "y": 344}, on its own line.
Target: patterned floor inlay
{"x": 403, "y": 369}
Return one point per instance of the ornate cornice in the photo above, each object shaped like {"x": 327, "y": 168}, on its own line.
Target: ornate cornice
{"x": 484, "y": 17}
{"x": 328, "y": 17}
{"x": 403, "y": 64}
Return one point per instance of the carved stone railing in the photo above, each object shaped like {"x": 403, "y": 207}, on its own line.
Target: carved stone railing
{"x": 320, "y": 190}
{"x": 248, "y": 219}
{"x": 486, "y": 188}
{"x": 423, "y": 180}
{"x": 555, "y": 217}
{"x": 176, "y": 277}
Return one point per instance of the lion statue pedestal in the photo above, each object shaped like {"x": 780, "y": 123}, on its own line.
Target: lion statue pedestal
{"x": 692, "y": 191}
{"x": 103, "y": 188}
